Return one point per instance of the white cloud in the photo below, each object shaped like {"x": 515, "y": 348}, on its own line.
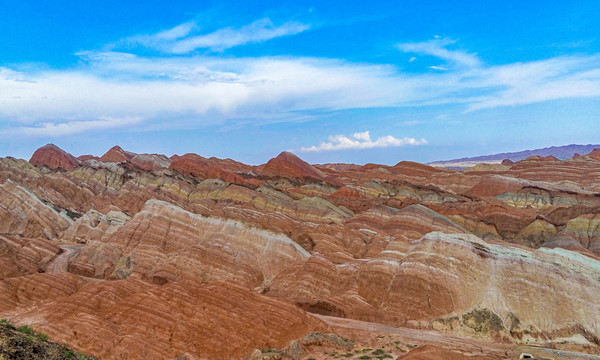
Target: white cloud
{"x": 195, "y": 91}
{"x": 440, "y": 68}
{"x": 182, "y": 39}
{"x": 438, "y": 49}
{"x": 539, "y": 81}
{"x": 72, "y": 127}
{"x": 361, "y": 140}
{"x": 175, "y": 33}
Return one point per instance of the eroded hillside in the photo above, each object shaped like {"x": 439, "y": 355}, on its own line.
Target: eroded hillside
{"x": 144, "y": 256}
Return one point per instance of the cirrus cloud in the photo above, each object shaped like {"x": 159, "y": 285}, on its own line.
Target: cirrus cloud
{"x": 182, "y": 38}
{"x": 437, "y": 48}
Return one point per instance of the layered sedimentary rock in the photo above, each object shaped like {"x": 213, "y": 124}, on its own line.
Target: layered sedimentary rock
{"x": 117, "y": 255}
{"x": 24, "y": 256}
{"x": 93, "y": 225}
{"x": 493, "y": 185}
{"x": 582, "y": 232}
{"x": 116, "y": 154}
{"x": 136, "y": 320}
{"x": 53, "y": 157}
{"x": 23, "y": 213}
{"x": 423, "y": 284}
{"x": 289, "y": 166}
{"x": 594, "y": 154}
{"x": 203, "y": 168}
{"x": 151, "y": 161}
{"x": 163, "y": 243}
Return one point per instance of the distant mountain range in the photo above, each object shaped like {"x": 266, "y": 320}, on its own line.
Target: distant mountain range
{"x": 560, "y": 152}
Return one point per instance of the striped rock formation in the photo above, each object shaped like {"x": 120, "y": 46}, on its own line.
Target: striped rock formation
{"x": 143, "y": 256}
{"x": 53, "y": 157}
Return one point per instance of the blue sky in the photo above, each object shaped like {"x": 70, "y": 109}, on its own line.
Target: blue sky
{"x": 349, "y": 81}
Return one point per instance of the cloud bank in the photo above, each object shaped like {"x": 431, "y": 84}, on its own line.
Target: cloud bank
{"x": 110, "y": 88}
{"x": 361, "y": 140}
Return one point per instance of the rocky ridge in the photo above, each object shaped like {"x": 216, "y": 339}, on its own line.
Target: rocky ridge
{"x": 144, "y": 256}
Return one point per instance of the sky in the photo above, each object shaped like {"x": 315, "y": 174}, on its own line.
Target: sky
{"x": 352, "y": 81}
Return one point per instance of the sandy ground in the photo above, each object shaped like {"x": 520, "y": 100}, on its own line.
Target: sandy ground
{"x": 384, "y": 335}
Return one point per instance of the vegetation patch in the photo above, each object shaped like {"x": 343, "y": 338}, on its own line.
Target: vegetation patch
{"x": 483, "y": 320}
{"x": 334, "y": 340}
{"x": 27, "y": 344}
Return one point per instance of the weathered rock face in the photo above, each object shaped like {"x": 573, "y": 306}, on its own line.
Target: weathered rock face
{"x": 135, "y": 320}
{"x": 581, "y": 233}
{"x": 22, "y": 256}
{"x": 289, "y": 166}
{"x": 423, "y": 284}
{"x": 116, "y": 154}
{"x": 203, "y": 168}
{"x": 151, "y": 161}
{"x": 53, "y": 157}
{"x": 594, "y": 154}
{"x": 495, "y": 185}
{"x": 23, "y": 213}
{"x": 163, "y": 243}
{"x": 125, "y": 256}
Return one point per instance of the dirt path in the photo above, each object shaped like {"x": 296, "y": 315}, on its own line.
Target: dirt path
{"x": 464, "y": 345}
{"x": 61, "y": 262}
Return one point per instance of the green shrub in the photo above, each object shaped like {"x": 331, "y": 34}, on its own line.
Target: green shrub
{"x": 68, "y": 353}
{"x": 6, "y": 323}
{"x": 26, "y": 330}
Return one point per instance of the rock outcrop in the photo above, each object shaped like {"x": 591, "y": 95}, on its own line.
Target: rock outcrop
{"x": 136, "y": 320}
{"x": 144, "y": 256}
{"x": 53, "y": 157}
{"x": 164, "y": 243}
{"x": 421, "y": 284}
{"x": 151, "y": 161}
{"x": 23, "y": 213}
{"x": 116, "y": 154}
{"x": 289, "y": 166}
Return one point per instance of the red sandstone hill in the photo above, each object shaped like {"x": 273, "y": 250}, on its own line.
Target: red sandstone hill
{"x": 53, "y": 157}
{"x": 116, "y": 154}
{"x": 203, "y": 168}
{"x": 594, "y": 154}
{"x": 288, "y": 165}
{"x": 144, "y": 256}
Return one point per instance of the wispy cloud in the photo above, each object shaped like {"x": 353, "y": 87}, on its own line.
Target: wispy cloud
{"x": 437, "y": 48}
{"x": 538, "y": 81}
{"x": 183, "y": 38}
{"x": 72, "y": 127}
{"x": 439, "y": 67}
{"x": 361, "y": 140}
